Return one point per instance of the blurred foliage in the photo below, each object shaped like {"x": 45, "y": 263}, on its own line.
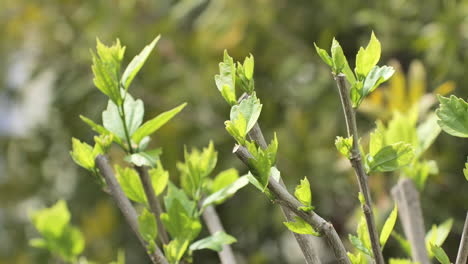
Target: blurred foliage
{"x": 46, "y": 82}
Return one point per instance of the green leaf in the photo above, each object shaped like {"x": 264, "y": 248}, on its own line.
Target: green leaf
{"x": 363, "y": 235}
{"x": 465, "y": 170}
{"x": 300, "y": 226}
{"x": 214, "y": 242}
{"x": 438, "y": 234}
{"x": 344, "y": 145}
{"x": 250, "y": 109}
{"x": 367, "y": 58}
{"x": 154, "y": 124}
{"x": 376, "y": 141}
{"x": 404, "y": 244}
{"x": 303, "y": 193}
{"x": 324, "y": 55}
{"x": 226, "y": 79}
{"x": 82, "y": 154}
{"x": 401, "y": 261}
{"x": 223, "y": 179}
{"x": 440, "y": 254}
{"x": 52, "y": 220}
{"x": 388, "y": 226}
{"x": 358, "y": 244}
{"x": 134, "y": 111}
{"x": 145, "y": 158}
{"x": 131, "y": 184}
{"x": 135, "y": 65}
{"x": 106, "y": 69}
{"x": 179, "y": 223}
{"x": 237, "y": 128}
{"x": 338, "y": 57}
{"x": 391, "y": 157}
{"x": 427, "y": 132}
{"x": 174, "y": 251}
{"x": 147, "y": 225}
{"x": 453, "y": 116}
{"x": 357, "y": 258}
{"x": 228, "y": 191}
{"x": 174, "y": 194}
{"x": 159, "y": 178}
{"x": 249, "y": 67}
{"x": 420, "y": 170}
{"x": 261, "y": 162}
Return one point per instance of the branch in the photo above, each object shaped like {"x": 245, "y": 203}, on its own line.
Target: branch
{"x": 356, "y": 162}
{"x": 211, "y": 218}
{"x": 304, "y": 241}
{"x": 126, "y": 207}
{"x": 462, "y": 255}
{"x": 407, "y": 198}
{"x": 153, "y": 201}
{"x": 288, "y": 201}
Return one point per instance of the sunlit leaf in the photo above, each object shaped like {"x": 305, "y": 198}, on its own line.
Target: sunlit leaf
{"x": 214, "y": 242}
{"x": 388, "y": 226}
{"x": 367, "y": 58}
{"x": 453, "y": 116}
{"x": 147, "y": 225}
{"x": 300, "y": 226}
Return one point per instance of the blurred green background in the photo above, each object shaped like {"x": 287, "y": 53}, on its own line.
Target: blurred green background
{"x": 46, "y": 82}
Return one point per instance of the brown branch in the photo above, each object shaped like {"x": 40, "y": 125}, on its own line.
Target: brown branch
{"x": 288, "y": 201}
{"x": 211, "y": 218}
{"x": 462, "y": 255}
{"x": 153, "y": 202}
{"x": 126, "y": 207}
{"x": 356, "y": 162}
{"x": 407, "y": 198}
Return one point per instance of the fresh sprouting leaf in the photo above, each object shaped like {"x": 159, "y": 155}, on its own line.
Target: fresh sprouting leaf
{"x": 401, "y": 261}
{"x": 58, "y": 235}
{"x": 420, "y": 170}
{"x": 440, "y": 254}
{"x": 357, "y": 258}
{"x": 374, "y": 78}
{"x": 137, "y": 62}
{"x": 223, "y": 179}
{"x": 344, "y": 146}
{"x": 453, "y": 116}
{"x": 154, "y": 124}
{"x": 82, "y": 154}
{"x": 402, "y": 127}
{"x": 175, "y": 250}
{"x": 102, "y": 144}
{"x": 249, "y": 67}
{"x": 250, "y": 109}
{"x": 236, "y": 128}
{"x": 404, "y": 244}
{"x": 388, "y": 226}
{"x": 174, "y": 194}
{"x": 226, "y": 192}
{"x": 106, "y": 69}
{"x": 338, "y": 57}
{"x": 465, "y": 170}
{"x": 159, "y": 178}
{"x": 147, "y": 225}
{"x": 438, "y": 234}
{"x": 303, "y": 193}
{"x": 376, "y": 141}
{"x": 134, "y": 111}
{"x": 214, "y": 242}
{"x": 262, "y": 163}
{"x": 392, "y": 157}
{"x": 300, "y": 226}
{"x": 226, "y": 79}
{"x": 145, "y": 158}
{"x": 363, "y": 235}
{"x": 367, "y": 58}
{"x": 324, "y": 55}
{"x": 179, "y": 224}
{"x": 358, "y": 244}
{"x": 427, "y": 132}
{"x": 131, "y": 184}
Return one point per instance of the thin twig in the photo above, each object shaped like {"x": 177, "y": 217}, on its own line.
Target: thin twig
{"x": 287, "y": 200}
{"x": 462, "y": 255}
{"x": 407, "y": 198}
{"x": 211, "y": 218}
{"x": 126, "y": 207}
{"x": 356, "y": 162}
{"x": 304, "y": 241}
{"x": 153, "y": 202}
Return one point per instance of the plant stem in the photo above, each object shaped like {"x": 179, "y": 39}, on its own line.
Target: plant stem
{"x": 407, "y": 198}
{"x": 211, "y": 218}
{"x": 126, "y": 207}
{"x": 285, "y": 199}
{"x": 304, "y": 241}
{"x": 153, "y": 202}
{"x": 462, "y": 255}
{"x": 356, "y": 162}
{"x": 124, "y": 123}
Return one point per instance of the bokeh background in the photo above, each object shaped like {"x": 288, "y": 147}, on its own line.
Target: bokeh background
{"x": 46, "y": 82}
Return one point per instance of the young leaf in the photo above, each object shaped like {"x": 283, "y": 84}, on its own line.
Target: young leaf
{"x": 391, "y": 157}
{"x": 154, "y": 124}
{"x": 134, "y": 111}
{"x": 357, "y": 258}
{"x": 367, "y": 58}
{"x": 440, "y": 254}
{"x": 344, "y": 146}
{"x": 376, "y": 76}
{"x": 131, "y": 185}
{"x": 223, "y": 179}
{"x": 147, "y": 225}
{"x": 453, "y": 116}
{"x": 82, "y": 154}
{"x": 135, "y": 65}
{"x": 338, "y": 57}
{"x": 106, "y": 69}
{"x": 159, "y": 178}
{"x": 145, "y": 158}
{"x": 228, "y": 191}
{"x": 214, "y": 242}
{"x": 300, "y": 226}
{"x": 427, "y": 132}
{"x": 175, "y": 250}
{"x": 465, "y": 170}
{"x": 174, "y": 194}
{"x": 376, "y": 141}
{"x": 250, "y": 109}
{"x": 404, "y": 244}
{"x": 363, "y": 235}
{"x": 359, "y": 244}
{"x": 262, "y": 163}
{"x": 324, "y": 55}
{"x": 226, "y": 79}
{"x": 303, "y": 193}
{"x": 438, "y": 234}
{"x": 388, "y": 226}
{"x": 249, "y": 67}
{"x": 179, "y": 224}
{"x": 401, "y": 261}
